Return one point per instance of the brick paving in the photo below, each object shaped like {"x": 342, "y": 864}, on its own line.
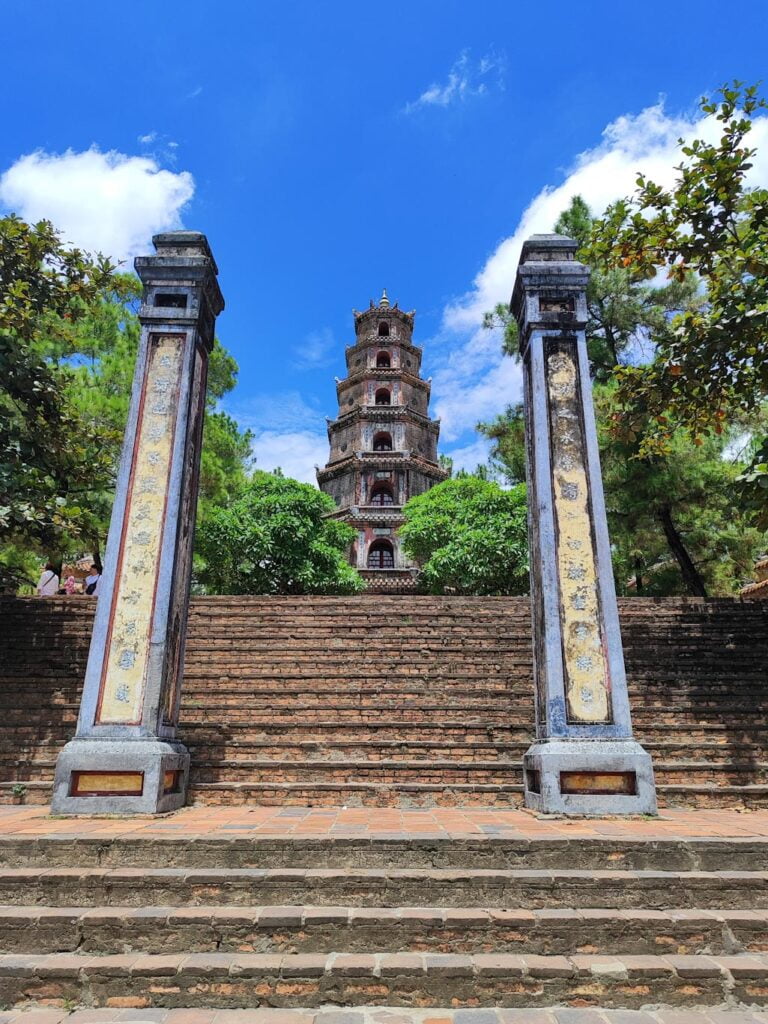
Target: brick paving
{"x": 383, "y": 822}
{"x": 387, "y": 1015}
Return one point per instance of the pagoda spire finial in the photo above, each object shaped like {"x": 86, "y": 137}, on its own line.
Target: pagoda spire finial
{"x": 383, "y": 301}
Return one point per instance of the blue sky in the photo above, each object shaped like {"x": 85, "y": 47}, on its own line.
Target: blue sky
{"x": 330, "y": 149}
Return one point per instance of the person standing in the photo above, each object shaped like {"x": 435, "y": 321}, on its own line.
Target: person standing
{"x": 48, "y": 584}
{"x": 92, "y": 580}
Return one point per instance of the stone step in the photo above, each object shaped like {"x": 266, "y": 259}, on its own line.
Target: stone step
{"x": 35, "y": 793}
{"x": 444, "y": 771}
{"x": 516, "y": 691}
{"x": 288, "y": 679}
{"x": 359, "y": 794}
{"x": 418, "y": 712}
{"x": 233, "y": 750}
{"x": 243, "y": 847}
{"x": 38, "y": 793}
{"x": 359, "y": 979}
{"x": 312, "y": 929}
{"x": 358, "y": 887}
{"x": 513, "y": 712}
{"x": 722, "y": 762}
{"x": 396, "y": 683}
{"x": 321, "y": 731}
{"x": 397, "y": 773}
{"x": 383, "y": 697}
{"x": 490, "y": 646}
{"x": 438, "y": 772}
{"x": 391, "y": 728}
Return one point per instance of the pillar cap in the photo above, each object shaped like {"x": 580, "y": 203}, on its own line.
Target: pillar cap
{"x": 546, "y": 248}
{"x": 183, "y": 243}
{"x": 548, "y": 267}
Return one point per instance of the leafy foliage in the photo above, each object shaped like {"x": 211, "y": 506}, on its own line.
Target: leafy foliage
{"x": 500, "y": 316}
{"x": 275, "y": 539}
{"x": 48, "y": 450}
{"x": 68, "y": 343}
{"x": 623, "y": 312}
{"x": 675, "y": 526}
{"x": 104, "y": 352}
{"x": 753, "y": 485}
{"x": 470, "y": 537}
{"x": 676, "y": 523}
{"x": 507, "y": 432}
{"x": 711, "y": 360}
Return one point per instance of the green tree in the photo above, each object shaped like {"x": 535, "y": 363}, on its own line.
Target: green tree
{"x": 470, "y": 537}
{"x": 711, "y": 362}
{"x": 623, "y": 312}
{"x": 753, "y": 483}
{"x": 275, "y": 538}
{"x": 675, "y": 527}
{"x": 68, "y": 342}
{"x": 507, "y": 432}
{"x": 101, "y": 355}
{"x": 666, "y": 512}
{"x": 48, "y": 450}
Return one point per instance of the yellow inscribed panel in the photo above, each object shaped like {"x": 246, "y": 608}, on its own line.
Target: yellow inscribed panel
{"x": 107, "y": 782}
{"x": 127, "y": 656}
{"x": 587, "y": 687}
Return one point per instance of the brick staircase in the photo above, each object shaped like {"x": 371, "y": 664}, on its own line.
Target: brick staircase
{"x": 169, "y": 921}
{"x": 403, "y": 701}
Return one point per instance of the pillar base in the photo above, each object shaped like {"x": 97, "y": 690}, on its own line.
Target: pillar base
{"x": 120, "y": 776}
{"x": 589, "y": 777}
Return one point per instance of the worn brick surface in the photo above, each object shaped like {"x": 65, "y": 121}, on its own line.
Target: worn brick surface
{"x": 425, "y": 899}
{"x": 280, "y": 708}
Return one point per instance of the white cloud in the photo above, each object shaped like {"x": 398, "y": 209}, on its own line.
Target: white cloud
{"x": 644, "y": 142}
{"x": 317, "y": 350}
{"x": 474, "y": 381}
{"x": 464, "y": 396}
{"x": 288, "y": 432}
{"x": 296, "y": 453}
{"x": 466, "y": 78}
{"x": 103, "y": 202}
{"x": 470, "y": 456}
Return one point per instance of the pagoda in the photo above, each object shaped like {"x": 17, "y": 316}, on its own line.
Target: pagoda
{"x": 383, "y": 444}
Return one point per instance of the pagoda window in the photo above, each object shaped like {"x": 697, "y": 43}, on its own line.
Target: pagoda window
{"x": 383, "y": 329}
{"x": 382, "y": 495}
{"x": 382, "y": 442}
{"x": 175, "y": 300}
{"x": 381, "y": 555}
{"x": 383, "y": 397}
{"x": 383, "y": 361}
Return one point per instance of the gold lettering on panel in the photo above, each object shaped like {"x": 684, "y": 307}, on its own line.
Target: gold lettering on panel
{"x": 133, "y": 599}
{"x": 104, "y": 783}
{"x": 586, "y": 671}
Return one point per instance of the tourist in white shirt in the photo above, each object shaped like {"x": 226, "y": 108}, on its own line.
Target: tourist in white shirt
{"x": 92, "y": 580}
{"x": 48, "y": 585}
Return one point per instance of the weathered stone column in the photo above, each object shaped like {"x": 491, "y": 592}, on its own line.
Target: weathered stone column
{"x": 584, "y": 760}
{"x": 125, "y": 757}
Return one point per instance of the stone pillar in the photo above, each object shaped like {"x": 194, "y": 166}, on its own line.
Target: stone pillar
{"x": 584, "y": 759}
{"x": 124, "y": 757}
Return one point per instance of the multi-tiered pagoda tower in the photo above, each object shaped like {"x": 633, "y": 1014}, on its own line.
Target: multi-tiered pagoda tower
{"x": 383, "y": 443}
